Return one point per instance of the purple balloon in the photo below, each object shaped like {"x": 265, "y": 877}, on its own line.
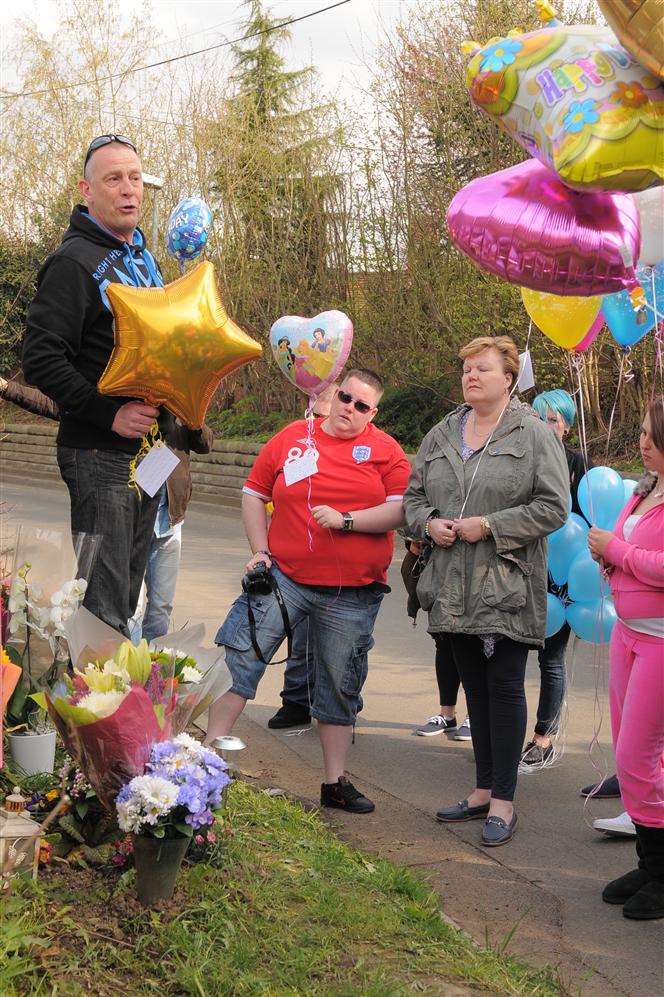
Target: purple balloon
{"x": 524, "y": 225}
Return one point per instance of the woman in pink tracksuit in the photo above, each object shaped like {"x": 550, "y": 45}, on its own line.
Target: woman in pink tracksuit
{"x": 633, "y": 555}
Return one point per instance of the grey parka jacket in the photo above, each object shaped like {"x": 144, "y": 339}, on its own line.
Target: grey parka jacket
{"x": 498, "y": 585}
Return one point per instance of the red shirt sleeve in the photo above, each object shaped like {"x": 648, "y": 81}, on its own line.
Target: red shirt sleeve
{"x": 264, "y": 471}
{"x": 396, "y": 474}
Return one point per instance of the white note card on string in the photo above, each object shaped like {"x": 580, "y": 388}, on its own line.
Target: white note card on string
{"x": 526, "y": 373}
{"x": 157, "y": 465}
{"x": 300, "y": 467}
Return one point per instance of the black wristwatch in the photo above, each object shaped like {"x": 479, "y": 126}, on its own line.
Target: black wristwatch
{"x": 348, "y": 522}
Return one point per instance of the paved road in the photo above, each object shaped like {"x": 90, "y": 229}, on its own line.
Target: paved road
{"x": 548, "y": 879}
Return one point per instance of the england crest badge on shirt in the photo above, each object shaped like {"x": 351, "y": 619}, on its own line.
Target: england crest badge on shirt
{"x": 361, "y": 454}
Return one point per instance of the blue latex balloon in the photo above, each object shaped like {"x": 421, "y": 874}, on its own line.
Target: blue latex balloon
{"x": 620, "y": 316}
{"x": 565, "y": 544}
{"x": 629, "y": 484}
{"x": 592, "y": 621}
{"x": 584, "y": 581}
{"x": 555, "y": 614}
{"x": 188, "y": 229}
{"x": 603, "y": 489}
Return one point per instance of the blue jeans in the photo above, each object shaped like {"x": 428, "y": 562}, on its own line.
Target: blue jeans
{"x": 551, "y": 659}
{"x": 102, "y": 503}
{"x": 152, "y": 619}
{"x": 341, "y": 628}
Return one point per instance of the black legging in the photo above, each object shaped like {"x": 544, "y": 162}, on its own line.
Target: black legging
{"x": 447, "y": 675}
{"x": 496, "y": 701}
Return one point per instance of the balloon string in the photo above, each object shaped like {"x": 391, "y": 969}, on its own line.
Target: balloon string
{"x": 577, "y": 362}
{"x": 659, "y": 337}
{"x": 625, "y": 362}
{"x": 151, "y": 439}
{"x": 310, "y": 444}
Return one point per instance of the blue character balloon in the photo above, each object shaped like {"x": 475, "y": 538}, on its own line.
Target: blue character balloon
{"x": 619, "y": 312}
{"x": 601, "y": 496}
{"x": 188, "y": 229}
{"x": 555, "y": 614}
{"x": 565, "y": 544}
{"x": 592, "y": 621}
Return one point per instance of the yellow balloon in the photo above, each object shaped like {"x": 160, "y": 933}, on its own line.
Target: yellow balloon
{"x": 174, "y": 344}
{"x": 565, "y": 320}
{"x": 639, "y": 24}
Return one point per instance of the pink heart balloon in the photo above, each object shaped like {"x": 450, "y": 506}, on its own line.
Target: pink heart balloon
{"x": 312, "y": 352}
{"x": 524, "y": 225}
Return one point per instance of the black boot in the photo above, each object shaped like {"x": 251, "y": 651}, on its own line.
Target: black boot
{"x": 648, "y": 903}
{"x": 619, "y": 891}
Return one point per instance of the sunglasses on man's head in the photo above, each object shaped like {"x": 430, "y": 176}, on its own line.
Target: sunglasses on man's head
{"x": 102, "y": 140}
{"x": 347, "y": 399}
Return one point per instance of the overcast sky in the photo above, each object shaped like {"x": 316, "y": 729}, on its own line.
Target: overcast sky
{"x": 338, "y": 43}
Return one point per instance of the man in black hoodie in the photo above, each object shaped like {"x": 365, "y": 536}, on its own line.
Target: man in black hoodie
{"x": 68, "y": 342}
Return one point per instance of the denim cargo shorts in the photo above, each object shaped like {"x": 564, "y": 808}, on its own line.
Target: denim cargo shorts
{"x": 340, "y": 622}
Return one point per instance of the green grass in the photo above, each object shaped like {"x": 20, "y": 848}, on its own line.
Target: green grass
{"x": 282, "y": 907}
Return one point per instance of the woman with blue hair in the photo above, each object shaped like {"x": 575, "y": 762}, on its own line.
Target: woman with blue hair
{"x": 557, "y": 409}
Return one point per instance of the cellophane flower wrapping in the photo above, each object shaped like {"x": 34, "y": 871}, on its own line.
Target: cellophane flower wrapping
{"x": 45, "y": 586}
{"x": 48, "y": 581}
{"x": 115, "y": 707}
{"x": 201, "y": 673}
{"x": 179, "y": 792}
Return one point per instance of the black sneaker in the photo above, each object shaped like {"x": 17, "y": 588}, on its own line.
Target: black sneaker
{"x": 290, "y": 715}
{"x": 343, "y": 796}
{"x": 536, "y": 757}
{"x": 608, "y": 789}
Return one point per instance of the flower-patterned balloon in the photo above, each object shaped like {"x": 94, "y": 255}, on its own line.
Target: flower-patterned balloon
{"x": 577, "y": 101}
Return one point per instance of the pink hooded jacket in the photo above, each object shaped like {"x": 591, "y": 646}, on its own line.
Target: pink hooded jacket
{"x": 637, "y": 579}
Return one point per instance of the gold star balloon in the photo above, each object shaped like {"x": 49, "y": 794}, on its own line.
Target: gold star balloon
{"x": 174, "y": 344}
{"x": 639, "y": 25}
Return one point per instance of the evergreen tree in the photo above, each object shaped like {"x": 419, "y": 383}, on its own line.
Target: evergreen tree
{"x": 276, "y": 180}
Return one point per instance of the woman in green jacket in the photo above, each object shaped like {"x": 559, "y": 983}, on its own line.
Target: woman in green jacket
{"x": 490, "y": 482}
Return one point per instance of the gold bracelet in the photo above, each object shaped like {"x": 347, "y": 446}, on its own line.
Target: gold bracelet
{"x": 486, "y": 528}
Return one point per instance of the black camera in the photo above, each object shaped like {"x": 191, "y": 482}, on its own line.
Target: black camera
{"x": 257, "y": 581}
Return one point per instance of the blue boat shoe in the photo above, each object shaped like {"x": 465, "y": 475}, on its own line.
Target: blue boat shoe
{"x": 497, "y": 831}
{"x": 461, "y": 811}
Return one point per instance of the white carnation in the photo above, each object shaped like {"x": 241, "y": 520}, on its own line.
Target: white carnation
{"x": 189, "y": 674}
{"x": 102, "y": 704}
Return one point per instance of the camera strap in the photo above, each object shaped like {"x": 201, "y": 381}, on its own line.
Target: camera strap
{"x": 276, "y": 591}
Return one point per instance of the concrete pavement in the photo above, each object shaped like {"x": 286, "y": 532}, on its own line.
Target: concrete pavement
{"x": 547, "y": 882}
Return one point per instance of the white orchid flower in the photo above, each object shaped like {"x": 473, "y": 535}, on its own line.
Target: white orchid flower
{"x": 16, "y": 621}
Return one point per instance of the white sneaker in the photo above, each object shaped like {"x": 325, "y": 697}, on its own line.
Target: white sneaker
{"x": 617, "y": 827}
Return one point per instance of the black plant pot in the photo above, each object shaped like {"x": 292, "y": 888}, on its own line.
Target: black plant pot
{"x": 158, "y": 862}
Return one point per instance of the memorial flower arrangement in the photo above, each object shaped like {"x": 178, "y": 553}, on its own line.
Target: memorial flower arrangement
{"x": 178, "y": 794}
{"x": 111, "y": 712}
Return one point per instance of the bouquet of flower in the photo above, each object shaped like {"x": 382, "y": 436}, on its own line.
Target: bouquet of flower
{"x": 111, "y": 712}
{"x": 122, "y": 699}
{"x": 178, "y": 794}
{"x": 201, "y": 673}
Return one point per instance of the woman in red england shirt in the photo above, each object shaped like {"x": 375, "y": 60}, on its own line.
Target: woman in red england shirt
{"x": 337, "y": 497}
